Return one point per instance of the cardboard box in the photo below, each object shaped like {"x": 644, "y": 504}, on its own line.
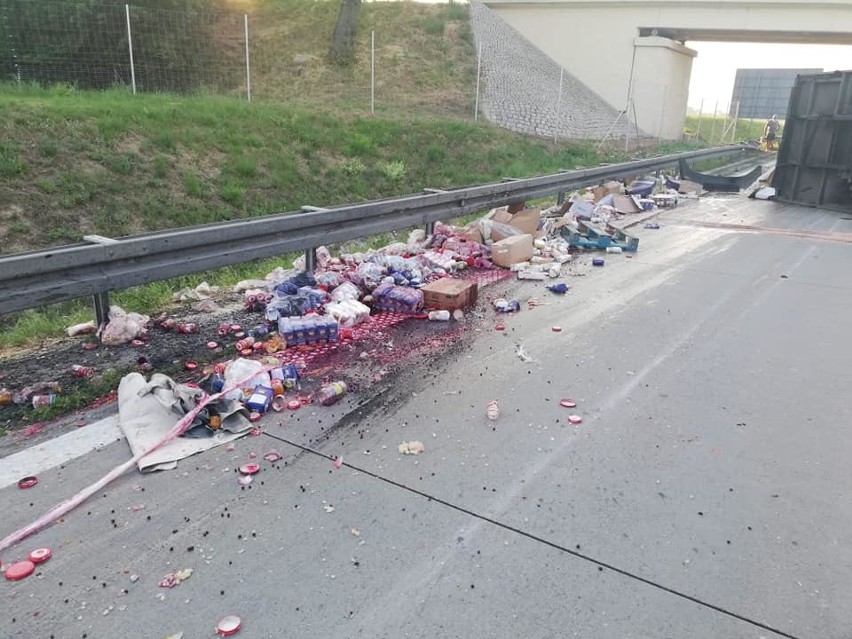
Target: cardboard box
{"x": 526, "y": 221}
{"x": 513, "y": 249}
{"x": 471, "y": 233}
{"x": 582, "y": 208}
{"x": 449, "y": 294}
{"x": 608, "y": 188}
{"x": 516, "y": 207}
{"x": 626, "y": 204}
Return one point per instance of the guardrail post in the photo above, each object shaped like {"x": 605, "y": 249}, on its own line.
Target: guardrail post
{"x": 560, "y": 198}
{"x": 101, "y": 308}
{"x": 430, "y": 228}
{"x": 101, "y": 299}
{"x": 310, "y": 259}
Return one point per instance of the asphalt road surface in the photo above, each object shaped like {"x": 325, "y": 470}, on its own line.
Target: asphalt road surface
{"x": 705, "y": 494}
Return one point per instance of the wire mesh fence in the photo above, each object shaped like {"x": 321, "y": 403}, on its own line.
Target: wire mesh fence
{"x": 98, "y": 45}
{"x": 457, "y": 60}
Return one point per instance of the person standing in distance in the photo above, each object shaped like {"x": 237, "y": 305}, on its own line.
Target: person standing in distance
{"x": 770, "y": 133}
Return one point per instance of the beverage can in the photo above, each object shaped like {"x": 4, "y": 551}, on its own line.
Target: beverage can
{"x": 43, "y": 401}
{"x": 187, "y": 327}
{"x": 78, "y": 370}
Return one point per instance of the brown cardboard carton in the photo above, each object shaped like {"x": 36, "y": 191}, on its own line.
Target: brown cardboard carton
{"x": 526, "y": 221}
{"x": 626, "y": 204}
{"x": 511, "y": 250}
{"x": 612, "y": 187}
{"x": 471, "y": 233}
{"x": 449, "y": 294}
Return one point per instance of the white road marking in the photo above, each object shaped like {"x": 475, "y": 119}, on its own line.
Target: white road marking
{"x": 59, "y": 450}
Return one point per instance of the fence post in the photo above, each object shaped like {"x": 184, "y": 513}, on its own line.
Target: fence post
{"x": 700, "y": 113}
{"x": 373, "y": 72}
{"x": 558, "y": 106}
{"x": 248, "y": 67}
{"x": 478, "y": 76}
{"x": 130, "y": 48}
{"x": 713, "y": 128}
{"x": 736, "y": 121}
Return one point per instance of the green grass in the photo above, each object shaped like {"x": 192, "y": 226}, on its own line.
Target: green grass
{"x": 711, "y": 130}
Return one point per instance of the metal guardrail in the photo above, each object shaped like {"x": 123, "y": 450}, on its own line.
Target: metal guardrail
{"x": 35, "y": 279}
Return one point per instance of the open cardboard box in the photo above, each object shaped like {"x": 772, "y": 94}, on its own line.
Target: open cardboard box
{"x": 511, "y": 250}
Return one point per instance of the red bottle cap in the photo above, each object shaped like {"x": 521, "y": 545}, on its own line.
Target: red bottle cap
{"x": 228, "y": 626}
{"x": 212, "y": 345}
{"x": 253, "y": 417}
{"x": 40, "y": 554}
{"x": 499, "y": 327}
{"x": 567, "y": 403}
{"x": 19, "y": 570}
{"x": 28, "y": 482}
{"x": 294, "y": 404}
{"x": 575, "y": 419}
{"x": 556, "y": 329}
{"x": 249, "y": 469}
{"x": 190, "y": 366}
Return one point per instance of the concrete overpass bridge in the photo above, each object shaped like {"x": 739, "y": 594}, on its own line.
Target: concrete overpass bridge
{"x": 633, "y": 53}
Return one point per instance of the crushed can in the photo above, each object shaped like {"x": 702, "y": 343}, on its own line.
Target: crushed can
{"x": 78, "y": 370}
{"x": 187, "y": 328}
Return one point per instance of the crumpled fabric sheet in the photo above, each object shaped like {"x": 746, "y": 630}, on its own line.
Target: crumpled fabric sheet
{"x": 147, "y": 412}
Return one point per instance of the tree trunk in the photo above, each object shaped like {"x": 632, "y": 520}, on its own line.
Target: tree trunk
{"x": 343, "y": 40}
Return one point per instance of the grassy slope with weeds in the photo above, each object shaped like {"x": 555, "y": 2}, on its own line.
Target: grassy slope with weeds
{"x": 113, "y": 164}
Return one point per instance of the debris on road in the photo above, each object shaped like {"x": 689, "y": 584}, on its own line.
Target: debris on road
{"x": 492, "y": 411}
{"x": 228, "y": 626}
{"x": 412, "y": 448}
{"x": 174, "y": 578}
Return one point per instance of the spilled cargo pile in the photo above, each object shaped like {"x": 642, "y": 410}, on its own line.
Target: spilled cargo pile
{"x": 303, "y": 314}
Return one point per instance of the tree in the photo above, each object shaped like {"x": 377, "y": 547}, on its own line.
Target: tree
{"x": 343, "y": 40}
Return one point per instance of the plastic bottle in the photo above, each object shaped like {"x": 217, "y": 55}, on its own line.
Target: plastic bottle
{"x": 330, "y": 393}
{"x": 278, "y": 386}
{"x": 439, "y": 316}
{"x": 613, "y": 249}
{"x": 5, "y": 396}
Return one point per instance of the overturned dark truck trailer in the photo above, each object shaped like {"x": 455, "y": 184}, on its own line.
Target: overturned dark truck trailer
{"x": 814, "y": 165}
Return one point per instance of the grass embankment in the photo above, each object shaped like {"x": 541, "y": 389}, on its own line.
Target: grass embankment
{"x": 720, "y": 130}
{"x": 75, "y": 163}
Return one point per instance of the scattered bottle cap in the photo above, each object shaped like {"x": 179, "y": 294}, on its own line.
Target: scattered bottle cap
{"x": 212, "y": 345}
{"x": 190, "y": 366}
{"x": 294, "y": 404}
{"x": 244, "y": 480}
{"x": 273, "y": 456}
{"x": 40, "y": 555}
{"x": 19, "y": 570}
{"x": 250, "y": 469}
{"x": 556, "y": 329}
{"x": 499, "y": 327}
{"x": 27, "y": 482}
{"x": 575, "y": 419}
{"x": 567, "y": 403}
{"x": 228, "y": 626}
{"x": 137, "y": 343}
{"x": 492, "y": 411}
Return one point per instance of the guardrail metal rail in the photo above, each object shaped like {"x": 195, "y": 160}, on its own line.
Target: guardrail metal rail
{"x": 38, "y": 278}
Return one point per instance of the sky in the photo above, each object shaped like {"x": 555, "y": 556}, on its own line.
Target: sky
{"x": 715, "y": 68}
